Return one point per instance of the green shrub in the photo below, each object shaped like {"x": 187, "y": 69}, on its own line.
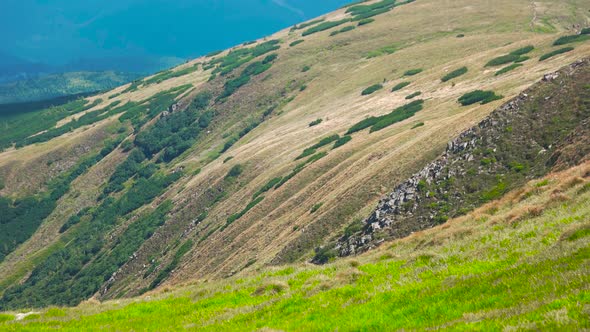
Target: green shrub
{"x": 346, "y": 28}
{"x": 324, "y": 26}
{"x": 571, "y": 39}
{"x": 302, "y": 87}
{"x": 366, "y": 21}
{"x": 508, "y": 68}
{"x": 523, "y": 50}
{"x": 400, "y": 86}
{"x": 305, "y": 68}
{"x": 413, "y": 72}
{"x": 398, "y": 115}
{"x": 238, "y": 215}
{"x": 556, "y": 52}
{"x": 315, "y": 207}
{"x": 371, "y": 89}
{"x": 365, "y": 123}
{"x": 502, "y": 60}
{"x": 235, "y": 171}
{"x": 268, "y": 186}
{"x": 413, "y": 95}
{"x": 419, "y": 124}
{"x": 341, "y": 141}
{"x": 461, "y": 35}
{"x": 308, "y": 24}
{"x": 315, "y": 122}
{"x": 305, "y": 153}
{"x": 522, "y": 59}
{"x": 585, "y": 31}
{"x": 455, "y": 73}
{"x": 297, "y": 42}
{"x": 478, "y": 96}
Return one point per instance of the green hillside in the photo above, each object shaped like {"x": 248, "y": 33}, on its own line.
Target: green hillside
{"x": 216, "y": 183}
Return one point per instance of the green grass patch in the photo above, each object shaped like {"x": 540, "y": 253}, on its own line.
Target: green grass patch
{"x": 389, "y": 49}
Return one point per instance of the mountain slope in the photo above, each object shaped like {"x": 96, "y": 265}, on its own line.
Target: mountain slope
{"x": 517, "y": 263}
{"x": 194, "y": 172}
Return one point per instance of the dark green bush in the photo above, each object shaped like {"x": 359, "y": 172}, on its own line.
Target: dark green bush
{"x": 413, "y": 72}
{"x": 315, "y": 207}
{"x": 235, "y": 171}
{"x": 522, "y": 59}
{"x": 268, "y": 186}
{"x": 372, "y": 89}
{"x": 413, "y": 95}
{"x": 324, "y": 26}
{"x": 523, "y": 50}
{"x": 419, "y": 124}
{"x": 308, "y": 24}
{"x": 297, "y": 42}
{"x": 400, "y": 86}
{"x": 556, "y": 52}
{"x": 502, "y": 60}
{"x": 455, "y": 73}
{"x": 571, "y": 39}
{"x": 345, "y": 29}
{"x": 305, "y": 68}
{"x": 398, "y": 115}
{"x": 315, "y": 122}
{"x": 508, "y": 68}
{"x": 478, "y": 96}
{"x": 341, "y": 141}
{"x": 366, "y": 21}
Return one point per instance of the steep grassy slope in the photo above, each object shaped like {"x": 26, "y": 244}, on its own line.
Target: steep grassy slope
{"x": 521, "y": 262}
{"x": 216, "y": 134}
{"x": 525, "y": 138}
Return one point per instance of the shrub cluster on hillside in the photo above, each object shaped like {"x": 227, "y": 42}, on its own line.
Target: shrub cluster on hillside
{"x": 571, "y": 39}
{"x": 238, "y": 57}
{"x": 455, "y": 73}
{"x": 324, "y": 26}
{"x": 508, "y": 68}
{"x": 379, "y": 122}
{"x": 400, "y": 86}
{"x": 478, "y": 96}
{"x": 555, "y": 53}
{"x": 413, "y": 72}
{"x": 371, "y": 89}
{"x": 514, "y": 56}
{"x": 345, "y": 29}
{"x": 253, "y": 69}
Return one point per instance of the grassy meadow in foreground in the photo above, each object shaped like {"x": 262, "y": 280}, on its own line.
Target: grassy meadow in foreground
{"x": 520, "y": 262}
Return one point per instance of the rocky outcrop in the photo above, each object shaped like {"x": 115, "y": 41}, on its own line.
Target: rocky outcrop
{"x": 520, "y": 140}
